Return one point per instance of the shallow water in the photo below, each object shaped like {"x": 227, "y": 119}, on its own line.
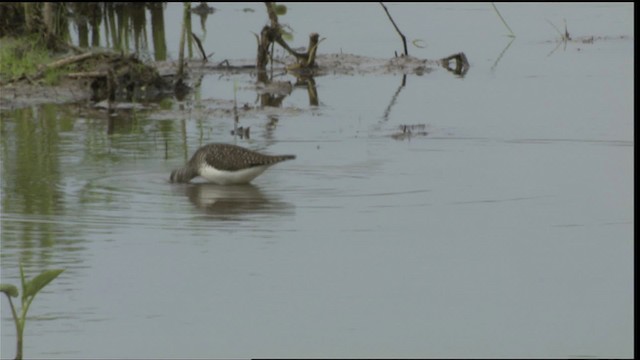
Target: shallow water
{"x": 506, "y": 231}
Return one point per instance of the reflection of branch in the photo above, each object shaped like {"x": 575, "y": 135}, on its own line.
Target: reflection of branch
{"x": 563, "y": 37}
{"x": 563, "y": 42}
{"x": 310, "y": 84}
{"x": 312, "y": 92}
{"x": 404, "y": 39}
{"x": 503, "y": 20}
{"x": 387, "y": 111}
{"x": 501, "y": 54}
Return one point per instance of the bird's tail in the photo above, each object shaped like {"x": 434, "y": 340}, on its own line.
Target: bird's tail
{"x": 280, "y": 158}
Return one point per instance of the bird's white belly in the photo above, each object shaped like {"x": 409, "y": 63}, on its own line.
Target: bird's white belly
{"x": 222, "y": 177}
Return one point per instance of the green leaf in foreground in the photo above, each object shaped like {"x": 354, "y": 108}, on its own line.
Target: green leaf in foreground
{"x": 9, "y": 289}
{"x": 29, "y": 290}
{"x": 37, "y": 283}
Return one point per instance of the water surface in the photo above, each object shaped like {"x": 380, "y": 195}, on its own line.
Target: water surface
{"x": 506, "y": 231}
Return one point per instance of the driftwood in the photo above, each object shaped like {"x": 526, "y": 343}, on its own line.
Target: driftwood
{"x": 87, "y": 74}
{"x": 71, "y": 59}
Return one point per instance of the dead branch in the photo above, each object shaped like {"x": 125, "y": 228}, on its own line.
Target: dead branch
{"x": 404, "y": 39}
{"x": 88, "y": 74}
{"x": 71, "y": 59}
{"x": 199, "y": 43}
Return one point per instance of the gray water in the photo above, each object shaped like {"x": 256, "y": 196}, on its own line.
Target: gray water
{"x": 506, "y": 231}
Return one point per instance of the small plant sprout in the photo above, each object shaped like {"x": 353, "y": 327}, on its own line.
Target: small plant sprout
{"x": 29, "y": 290}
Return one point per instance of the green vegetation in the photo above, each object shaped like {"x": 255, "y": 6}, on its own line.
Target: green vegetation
{"x": 22, "y": 57}
{"x": 52, "y": 77}
{"x": 29, "y": 290}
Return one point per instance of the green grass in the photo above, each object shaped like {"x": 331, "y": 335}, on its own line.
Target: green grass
{"x": 52, "y": 77}
{"x": 23, "y": 56}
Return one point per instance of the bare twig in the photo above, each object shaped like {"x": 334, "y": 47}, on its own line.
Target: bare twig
{"x": 404, "y": 39}
{"x": 199, "y": 43}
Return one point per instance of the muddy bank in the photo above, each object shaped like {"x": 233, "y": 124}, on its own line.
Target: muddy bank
{"x": 86, "y": 77}
{"x": 125, "y": 79}
{"x": 343, "y": 64}
{"x": 24, "y": 94}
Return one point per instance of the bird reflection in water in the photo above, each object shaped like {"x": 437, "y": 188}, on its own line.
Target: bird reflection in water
{"x": 234, "y": 201}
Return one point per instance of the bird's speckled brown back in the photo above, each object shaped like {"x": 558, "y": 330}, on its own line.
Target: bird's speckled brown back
{"x": 232, "y": 157}
{"x": 224, "y": 157}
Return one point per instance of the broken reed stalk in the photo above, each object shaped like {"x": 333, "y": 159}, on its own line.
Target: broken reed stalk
{"x": 264, "y": 41}
{"x": 272, "y": 34}
{"x": 313, "y": 47}
{"x": 404, "y": 39}
{"x": 183, "y": 35}
{"x": 271, "y": 11}
{"x": 305, "y": 60}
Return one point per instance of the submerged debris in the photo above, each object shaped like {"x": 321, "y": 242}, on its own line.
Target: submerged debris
{"x": 242, "y": 132}
{"x": 123, "y": 78}
{"x": 462, "y": 64}
{"x": 409, "y": 64}
{"x": 409, "y": 131}
{"x": 106, "y": 76}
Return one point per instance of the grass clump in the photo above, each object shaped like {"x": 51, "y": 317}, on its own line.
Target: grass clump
{"x": 23, "y": 57}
